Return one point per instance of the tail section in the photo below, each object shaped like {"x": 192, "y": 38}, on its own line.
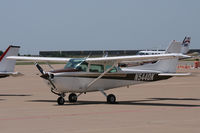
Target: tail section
{"x": 168, "y": 65}
{"x": 8, "y": 65}
{"x": 185, "y": 45}
{"x": 174, "y": 47}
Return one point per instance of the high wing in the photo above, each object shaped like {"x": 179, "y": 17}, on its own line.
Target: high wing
{"x": 115, "y": 59}
{"x": 119, "y": 59}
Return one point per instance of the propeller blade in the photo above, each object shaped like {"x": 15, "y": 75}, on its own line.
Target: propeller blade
{"x": 39, "y": 68}
{"x": 52, "y": 83}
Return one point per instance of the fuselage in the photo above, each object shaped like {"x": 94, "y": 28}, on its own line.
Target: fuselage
{"x": 79, "y": 76}
{"x": 77, "y": 81}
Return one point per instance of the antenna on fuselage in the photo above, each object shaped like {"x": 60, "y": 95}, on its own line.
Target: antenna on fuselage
{"x": 105, "y": 54}
{"x": 88, "y": 55}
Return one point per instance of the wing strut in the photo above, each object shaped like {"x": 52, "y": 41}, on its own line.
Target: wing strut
{"x": 100, "y": 76}
{"x": 52, "y": 69}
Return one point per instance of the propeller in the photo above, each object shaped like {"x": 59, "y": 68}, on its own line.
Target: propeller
{"x": 45, "y": 75}
{"x": 39, "y": 68}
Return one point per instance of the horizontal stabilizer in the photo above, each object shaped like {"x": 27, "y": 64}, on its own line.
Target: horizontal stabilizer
{"x": 17, "y": 74}
{"x": 14, "y": 74}
{"x": 174, "y": 74}
{"x": 48, "y": 59}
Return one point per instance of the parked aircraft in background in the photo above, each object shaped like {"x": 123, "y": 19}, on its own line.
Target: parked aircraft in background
{"x": 99, "y": 74}
{"x": 184, "y": 49}
{"x": 7, "y": 66}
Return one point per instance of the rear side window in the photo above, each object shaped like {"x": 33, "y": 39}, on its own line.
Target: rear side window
{"x": 113, "y": 70}
{"x": 82, "y": 67}
{"x": 96, "y": 68}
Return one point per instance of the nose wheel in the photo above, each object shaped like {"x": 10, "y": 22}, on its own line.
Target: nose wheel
{"x": 60, "y": 101}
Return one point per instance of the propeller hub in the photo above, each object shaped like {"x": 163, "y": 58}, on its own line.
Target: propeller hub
{"x": 45, "y": 76}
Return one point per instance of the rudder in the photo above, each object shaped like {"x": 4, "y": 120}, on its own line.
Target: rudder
{"x": 8, "y": 65}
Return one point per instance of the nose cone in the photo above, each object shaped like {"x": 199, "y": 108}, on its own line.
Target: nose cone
{"x": 45, "y": 76}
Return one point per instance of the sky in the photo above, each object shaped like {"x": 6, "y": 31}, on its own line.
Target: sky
{"x": 40, "y": 25}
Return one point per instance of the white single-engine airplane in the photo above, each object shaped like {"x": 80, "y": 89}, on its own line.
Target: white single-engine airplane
{"x": 99, "y": 74}
{"x": 7, "y": 66}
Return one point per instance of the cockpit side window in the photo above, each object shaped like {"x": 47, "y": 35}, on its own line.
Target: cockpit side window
{"x": 72, "y": 63}
{"x": 96, "y": 68}
{"x": 78, "y": 64}
{"x": 83, "y": 66}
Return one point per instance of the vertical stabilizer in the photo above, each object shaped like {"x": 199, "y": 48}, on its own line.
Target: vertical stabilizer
{"x": 8, "y": 65}
{"x": 174, "y": 47}
{"x": 185, "y": 45}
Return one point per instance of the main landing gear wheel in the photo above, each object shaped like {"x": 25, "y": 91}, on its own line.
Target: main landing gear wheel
{"x": 61, "y": 101}
{"x": 72, "y": 98}
{"x": 111, "y": 98}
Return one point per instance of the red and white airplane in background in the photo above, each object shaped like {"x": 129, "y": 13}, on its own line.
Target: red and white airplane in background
{"x": 7, "y": 66}
{"x": 83, "y": 75}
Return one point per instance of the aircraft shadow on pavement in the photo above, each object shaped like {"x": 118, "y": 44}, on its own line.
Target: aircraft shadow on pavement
{"x": 146, "y": 102}
{"x": 15, "y": 95}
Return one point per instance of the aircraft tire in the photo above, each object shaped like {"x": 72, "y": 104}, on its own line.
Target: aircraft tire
{"x": 60, "y": 101}
{"x": 111, "y": 99}
{"x": 72, "y": 98}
